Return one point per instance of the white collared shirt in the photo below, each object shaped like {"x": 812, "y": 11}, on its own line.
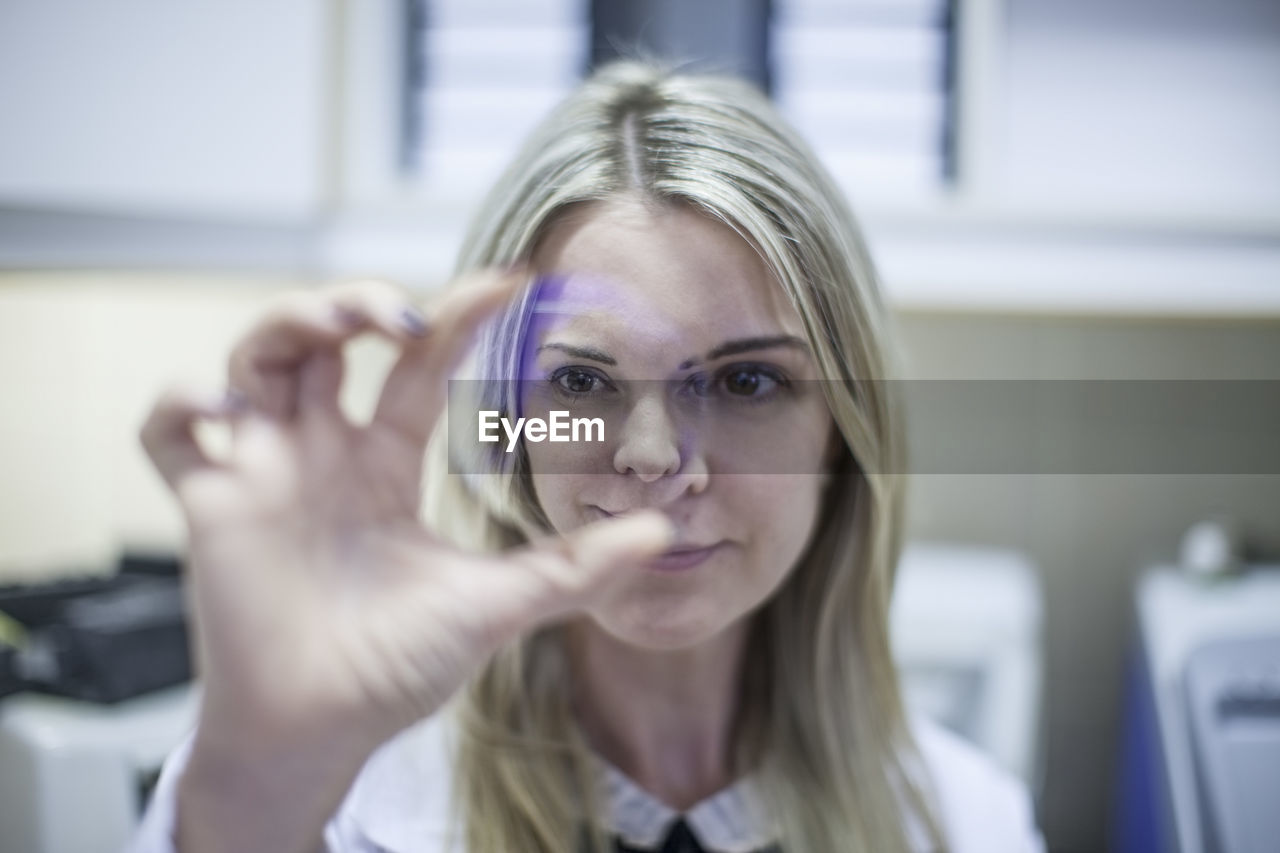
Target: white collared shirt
{"x": 725, "y": 822}
{"x": 400, "y": 802}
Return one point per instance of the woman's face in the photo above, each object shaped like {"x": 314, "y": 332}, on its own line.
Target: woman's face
{"x": 667, "y": 326}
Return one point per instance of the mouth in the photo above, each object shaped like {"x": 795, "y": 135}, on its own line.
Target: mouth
{"x": 682, "y": 559}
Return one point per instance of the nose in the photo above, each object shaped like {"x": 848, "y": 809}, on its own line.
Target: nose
{"x": 650, "y": 445}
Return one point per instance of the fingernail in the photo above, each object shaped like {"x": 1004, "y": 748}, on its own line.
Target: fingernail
{"x": 413, "y": 321}
{"x": 234, "y": 402}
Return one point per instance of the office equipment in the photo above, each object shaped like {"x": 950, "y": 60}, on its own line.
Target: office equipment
{"x": 74, "y": 775}
{"x": 94, "y": 675}
{"x": 1233, "y": 700}
{"x": 1201, "y": 750}
{"x": 100, "y": 639}
{"x": 966, "y": 628}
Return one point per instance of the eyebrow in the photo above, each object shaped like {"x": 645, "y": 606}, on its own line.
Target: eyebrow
{"x": 589, "y": 353}
{"x": 748, "y": 345}
{"x": 733, "y": 347}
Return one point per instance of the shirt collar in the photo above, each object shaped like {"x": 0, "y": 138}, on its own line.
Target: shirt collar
{"x": 729, "y": 821}
{"x": 402, "y": 799}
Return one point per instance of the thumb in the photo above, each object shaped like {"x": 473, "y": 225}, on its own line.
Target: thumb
{"x": 585, "y": 565}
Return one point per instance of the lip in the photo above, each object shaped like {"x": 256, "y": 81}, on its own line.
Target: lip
{"x": 678, "y": 559}
{"x": 683, "y": 559}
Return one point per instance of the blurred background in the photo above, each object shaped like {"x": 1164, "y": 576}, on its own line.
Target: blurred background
{"x": 1052, "y": 189}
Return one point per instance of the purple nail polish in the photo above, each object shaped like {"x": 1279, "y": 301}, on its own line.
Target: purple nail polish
{"x": 413, "y": 322}
{"x": 235, "y": 402}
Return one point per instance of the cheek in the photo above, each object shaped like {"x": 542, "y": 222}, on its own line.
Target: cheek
{"x": 783, "y": 440}
{"x": 781, "y": 510}
{"x": 572, "y": 459}
{"x": 557, "y": 495}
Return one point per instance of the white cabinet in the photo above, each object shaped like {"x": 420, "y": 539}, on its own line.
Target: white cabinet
{"x": 1144, "y": 107}
{"x": 1107, "y": 158}
{"x": 204, "y": 109}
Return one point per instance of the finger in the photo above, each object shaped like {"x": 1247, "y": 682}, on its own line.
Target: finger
{"x": 322, "y": 423}
{"x": 168, "y": 433}
{"x": 580, "y": 568}
{"x": 319, "y": 382}
{"x": 372, "y": 303}
{"x": 265, "y": 363}
{"x": 416, "y": 387}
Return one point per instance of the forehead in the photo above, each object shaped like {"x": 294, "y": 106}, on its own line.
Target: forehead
{"x": 666, "y": 273}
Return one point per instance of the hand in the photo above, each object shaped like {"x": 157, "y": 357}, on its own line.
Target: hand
{"x": 322, "y": 605}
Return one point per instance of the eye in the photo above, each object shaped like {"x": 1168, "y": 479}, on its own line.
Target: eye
{"x": 577, "y": 382}
{"x": 745, "y": 382}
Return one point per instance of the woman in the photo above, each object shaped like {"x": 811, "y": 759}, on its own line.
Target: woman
{"x": 671, "y": 638}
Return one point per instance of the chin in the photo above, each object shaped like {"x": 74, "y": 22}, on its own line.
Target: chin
{"x": 659, "y": 628}
{"x": 662, "y": 641}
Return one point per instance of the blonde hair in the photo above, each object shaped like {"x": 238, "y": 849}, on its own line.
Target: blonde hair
{"x": 822, "y": 723}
